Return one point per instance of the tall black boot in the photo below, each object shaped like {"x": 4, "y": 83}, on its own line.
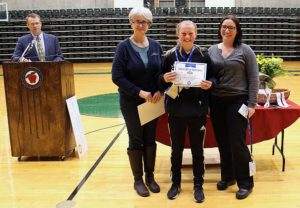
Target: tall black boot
{"x": 136, "y": 163}
{"x": 149, "y": 164}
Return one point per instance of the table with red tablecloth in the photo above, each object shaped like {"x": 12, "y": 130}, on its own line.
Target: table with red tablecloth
{"x": 267, "y": 123}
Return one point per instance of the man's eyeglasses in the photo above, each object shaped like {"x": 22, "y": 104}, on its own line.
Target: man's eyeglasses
{"x": 230, "y": 28}
{"x": 140, "y": 22}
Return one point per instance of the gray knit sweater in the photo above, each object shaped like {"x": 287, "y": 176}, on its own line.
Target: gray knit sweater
{"x": 237, "y": 74}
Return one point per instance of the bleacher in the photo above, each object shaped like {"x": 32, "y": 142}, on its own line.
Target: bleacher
{"x": 92, "y": 34}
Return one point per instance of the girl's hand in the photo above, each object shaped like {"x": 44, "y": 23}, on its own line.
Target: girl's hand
{"x": 205, "y": 84}
{"x": 170, "y": 76}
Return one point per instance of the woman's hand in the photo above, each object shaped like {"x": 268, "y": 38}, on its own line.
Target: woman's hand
{"x": 156, "y": 97}
{"x": 205, "y": 84}
{"x": 251, "y": 111}
{"x": 170, "y": 76}
{"x": 146, "y": 95}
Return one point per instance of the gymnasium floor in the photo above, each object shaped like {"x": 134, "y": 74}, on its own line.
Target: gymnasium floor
{"x": 102, "y": 178}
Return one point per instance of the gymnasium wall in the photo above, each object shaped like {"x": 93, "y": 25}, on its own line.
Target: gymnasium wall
{"x": 268, "y": 3}
{"x": 217, "y": 3}
{"x": 57, "y": 4}
{"x": 78, "y": 4}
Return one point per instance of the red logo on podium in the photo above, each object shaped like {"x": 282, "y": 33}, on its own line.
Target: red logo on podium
{"x": 32, "y": 78}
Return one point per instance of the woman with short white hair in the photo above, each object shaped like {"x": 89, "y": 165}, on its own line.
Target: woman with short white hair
{"x": 136, "y": 66}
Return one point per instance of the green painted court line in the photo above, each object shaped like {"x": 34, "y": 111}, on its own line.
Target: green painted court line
{"x": 104, "y": 105}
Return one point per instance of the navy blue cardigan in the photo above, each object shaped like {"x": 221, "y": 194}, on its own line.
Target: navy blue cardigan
{"x": 129, "y": 72}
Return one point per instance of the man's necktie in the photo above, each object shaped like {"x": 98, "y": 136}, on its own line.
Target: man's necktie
{"x": 41, "y": 51}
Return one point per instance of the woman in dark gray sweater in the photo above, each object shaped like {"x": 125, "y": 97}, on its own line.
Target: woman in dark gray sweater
{"x": 237, "y": 84}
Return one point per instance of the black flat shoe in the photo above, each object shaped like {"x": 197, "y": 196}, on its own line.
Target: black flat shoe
{"x": 243, "y": 193}
{"x": 223, "y": 185}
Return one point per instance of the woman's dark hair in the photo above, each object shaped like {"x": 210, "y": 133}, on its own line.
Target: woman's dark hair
{"x": 238, "y": 37}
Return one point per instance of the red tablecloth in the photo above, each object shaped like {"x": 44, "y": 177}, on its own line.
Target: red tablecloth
{"x": 267, "y": 123}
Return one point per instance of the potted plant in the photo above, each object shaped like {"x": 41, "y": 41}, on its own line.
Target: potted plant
{"x": 269, "y": 68}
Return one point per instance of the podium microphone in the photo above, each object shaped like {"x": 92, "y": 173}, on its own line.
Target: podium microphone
{"x": 27, "y": 49}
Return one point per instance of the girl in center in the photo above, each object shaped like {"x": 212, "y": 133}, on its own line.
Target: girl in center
{"x": 186, "y": 107}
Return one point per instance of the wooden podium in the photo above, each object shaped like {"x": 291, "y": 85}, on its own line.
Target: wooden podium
{"x": 38, "y": 119}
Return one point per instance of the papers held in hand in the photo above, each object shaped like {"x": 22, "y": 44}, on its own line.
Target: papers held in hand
{"x": 149, "y": 111}
{"x": 189, "y": 74}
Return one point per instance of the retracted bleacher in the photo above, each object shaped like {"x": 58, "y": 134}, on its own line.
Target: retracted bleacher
{"x": 93, "y": 34}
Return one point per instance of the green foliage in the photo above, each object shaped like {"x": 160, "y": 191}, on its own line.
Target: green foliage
{"x": 269, "y": 68}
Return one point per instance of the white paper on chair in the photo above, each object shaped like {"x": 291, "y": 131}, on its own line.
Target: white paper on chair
{"x": 74, "y": 113}
{"x": 149, "y": 111}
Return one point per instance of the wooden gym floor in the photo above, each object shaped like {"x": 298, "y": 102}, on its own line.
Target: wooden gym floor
{"x": 102, "y": 178}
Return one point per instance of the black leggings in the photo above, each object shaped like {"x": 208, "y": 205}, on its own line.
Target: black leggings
{"x": 196, "y": 130}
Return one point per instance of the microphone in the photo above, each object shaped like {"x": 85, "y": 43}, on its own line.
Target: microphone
{"x": 27, "y": 49}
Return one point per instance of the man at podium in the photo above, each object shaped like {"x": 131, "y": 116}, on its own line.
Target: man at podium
{"x": 37, "y": 46}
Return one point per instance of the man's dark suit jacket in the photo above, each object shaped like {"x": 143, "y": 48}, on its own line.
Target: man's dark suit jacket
{"x": 52, "y": 48}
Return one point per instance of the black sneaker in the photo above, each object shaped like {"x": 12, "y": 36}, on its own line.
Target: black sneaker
{"x": 198, "y": 194}
{"x": 173, "y": 191}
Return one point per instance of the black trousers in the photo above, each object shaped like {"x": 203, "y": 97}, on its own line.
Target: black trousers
{"x": 196, "y": 129}
{"x": 139, "y": 136}
{"x": 230, "y": 132}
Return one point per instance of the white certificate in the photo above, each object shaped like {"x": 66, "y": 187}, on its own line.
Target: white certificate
{"x": 189, "y": 74}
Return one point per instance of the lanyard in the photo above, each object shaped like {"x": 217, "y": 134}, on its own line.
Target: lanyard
{"x": 184, "y": 57}
{"x": 251, "y": 134}
{"x": 186, "y": 60}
